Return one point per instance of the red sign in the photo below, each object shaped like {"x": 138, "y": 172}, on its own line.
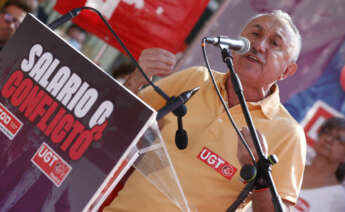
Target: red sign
{"x": 319, "y": 113}
{"x": 217, "y": 163}
{"x": 9, "y": 124}
{"x": 140, "y": 24}
{"x": 51, "y": 164}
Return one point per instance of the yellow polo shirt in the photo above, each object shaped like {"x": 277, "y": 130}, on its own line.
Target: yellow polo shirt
{"x": 207, "y": 124}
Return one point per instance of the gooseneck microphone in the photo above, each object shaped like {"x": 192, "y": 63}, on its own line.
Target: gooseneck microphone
{"x": 241, "y": 45}
{"x": 176, "y": 105}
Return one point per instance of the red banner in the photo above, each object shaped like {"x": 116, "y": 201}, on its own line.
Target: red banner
{"x": 139, "y": 23}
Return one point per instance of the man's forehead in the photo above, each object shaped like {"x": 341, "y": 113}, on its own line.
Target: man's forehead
{"x": 278, "y": 25}
{"x": 269, "y": 22}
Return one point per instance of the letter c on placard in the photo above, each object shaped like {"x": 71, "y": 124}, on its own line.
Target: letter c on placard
{"x": 102, "y": 113}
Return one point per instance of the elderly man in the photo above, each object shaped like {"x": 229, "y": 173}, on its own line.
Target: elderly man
{"x": 11, "y": 15}
{"x": 275, "y": 48}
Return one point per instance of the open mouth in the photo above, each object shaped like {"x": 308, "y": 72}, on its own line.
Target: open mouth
{"x": 254, "y": 59}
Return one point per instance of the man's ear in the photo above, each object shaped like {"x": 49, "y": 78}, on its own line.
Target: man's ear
{"x": 289, "y": 71}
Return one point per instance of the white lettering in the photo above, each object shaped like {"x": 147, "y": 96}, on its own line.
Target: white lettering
{"x": 41, "y": 153}
{"x": 108, "y": 7}
{"x": 49, "y": 157}
{"x": 102, "y": 113}
{"x": 77, "y": 96}
{"x": 202, "y": 156}
{"x": 85, "y": 103}
{"x": 220, "y": 161}
{"x": 59, "y": 80}
{"x": 41, "y": 66}
{"x": 44, "y": 80}
{"x": 212, "y": 159}
{"x": 36, "y": 50}
{"x": 70, "y": 88}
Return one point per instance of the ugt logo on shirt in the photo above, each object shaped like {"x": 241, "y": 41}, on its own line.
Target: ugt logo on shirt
{"x": 217, "y": 163}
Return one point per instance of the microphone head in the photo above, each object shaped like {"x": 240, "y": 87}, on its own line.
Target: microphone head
{"x": 246, "y": 46}
{"x": 181, "y": 139}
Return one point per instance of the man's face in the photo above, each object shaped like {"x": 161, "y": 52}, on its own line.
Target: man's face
{"x": 10, "y": 18}
{"x": 272, "y": 44}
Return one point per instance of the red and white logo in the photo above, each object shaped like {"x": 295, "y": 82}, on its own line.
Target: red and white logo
{"x": 9, "y": 124}
{"x": 51, "y": 164}
{"x": 316, "y": 116}
{"x": 217, "y": 163}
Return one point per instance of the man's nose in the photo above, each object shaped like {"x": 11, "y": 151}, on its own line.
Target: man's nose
{"x": 260, "y": 45}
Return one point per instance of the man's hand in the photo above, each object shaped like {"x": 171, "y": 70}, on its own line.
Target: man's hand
{"x": 154, "y": 61}
{"x": 242, "y": 153}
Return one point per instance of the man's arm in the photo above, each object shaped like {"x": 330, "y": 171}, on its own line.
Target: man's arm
{"x": 153, "y": 61}
{"x": 262, "y": 199}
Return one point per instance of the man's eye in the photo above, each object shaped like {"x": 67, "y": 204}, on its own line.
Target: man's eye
{"x": 275, "y": 43}
{"x": 255, "y": 34}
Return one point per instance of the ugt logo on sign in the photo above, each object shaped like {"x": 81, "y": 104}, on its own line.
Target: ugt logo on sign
{"x": 51, "y": 164}
{"x": 9, "y": 124}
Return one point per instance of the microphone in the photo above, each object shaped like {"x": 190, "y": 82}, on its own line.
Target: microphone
{"x": 176, "y": 102}
{"x": 176, "y": 105}
{"x": 240, "y": 45}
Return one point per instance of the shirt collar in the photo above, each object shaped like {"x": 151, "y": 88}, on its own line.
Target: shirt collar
{"x": 269, "y": 105}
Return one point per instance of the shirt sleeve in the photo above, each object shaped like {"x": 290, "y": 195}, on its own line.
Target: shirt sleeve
{"x": 172, "y": 85}
{"x": 291, "y": 152}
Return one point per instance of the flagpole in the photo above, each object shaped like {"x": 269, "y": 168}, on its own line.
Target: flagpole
{"x": 100, "y": 53}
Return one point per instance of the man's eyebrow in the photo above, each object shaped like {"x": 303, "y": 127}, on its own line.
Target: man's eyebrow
{"x": 258, "y": 26}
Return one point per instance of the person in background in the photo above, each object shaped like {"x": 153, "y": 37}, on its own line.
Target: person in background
{"x": 11, "y": 15}
{"x": 323, "y": 187}
{"x": 37, "y": 9}
{"x": 208, "y": 168}
{"x": 76, "y": 36}
{"x": 41, "y": 13}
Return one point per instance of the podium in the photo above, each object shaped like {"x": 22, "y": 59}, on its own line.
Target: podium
{"x": 68, "y": 131}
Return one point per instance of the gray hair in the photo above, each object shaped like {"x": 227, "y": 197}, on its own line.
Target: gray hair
{"x": 287, "y": 17}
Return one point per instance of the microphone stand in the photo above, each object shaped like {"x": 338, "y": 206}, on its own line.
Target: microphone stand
{"x": 173, "y": 104}
{"x": 258, "y": 174}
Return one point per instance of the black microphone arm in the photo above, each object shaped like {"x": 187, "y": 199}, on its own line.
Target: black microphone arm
{"x": 63, "y": 19}
{"x": 174, "y": 104}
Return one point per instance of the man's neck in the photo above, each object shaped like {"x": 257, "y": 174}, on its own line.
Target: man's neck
{"x": 251, "y": 94}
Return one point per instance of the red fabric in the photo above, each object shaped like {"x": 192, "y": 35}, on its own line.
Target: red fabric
{"x": 141, "y": 28}
{"x": 116, "y": 190}
{"x": 342, "y": 78}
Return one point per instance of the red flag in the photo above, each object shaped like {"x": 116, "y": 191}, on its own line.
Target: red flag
{"x": 140, "y": 24}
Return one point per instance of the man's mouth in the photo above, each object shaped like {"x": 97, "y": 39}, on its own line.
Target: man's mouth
{"x": 254, "y": 59}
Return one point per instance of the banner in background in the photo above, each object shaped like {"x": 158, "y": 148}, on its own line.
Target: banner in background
{"x": 329, "y": 88}
{"x": 140, "y": 24}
